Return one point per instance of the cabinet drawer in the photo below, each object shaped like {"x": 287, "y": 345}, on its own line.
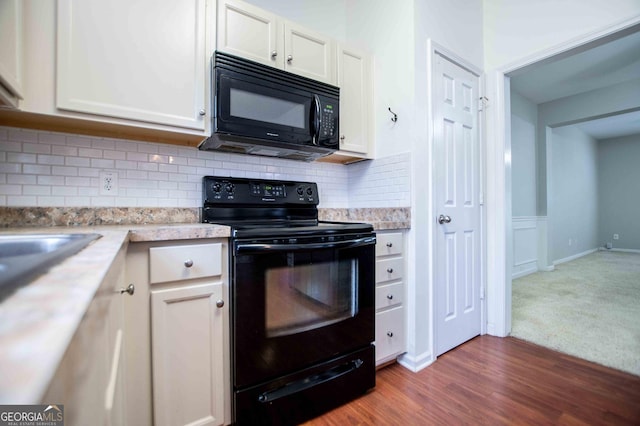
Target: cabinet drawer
{"x": 389, "y": 244}
{"x": 172, "y": 263}
{"x": 389, "y": 295}
{"x": 389, "y": 333}
{"x": 389, "y": 269}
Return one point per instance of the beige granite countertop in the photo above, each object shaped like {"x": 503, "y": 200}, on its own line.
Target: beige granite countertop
{"x": 38, "y": 320}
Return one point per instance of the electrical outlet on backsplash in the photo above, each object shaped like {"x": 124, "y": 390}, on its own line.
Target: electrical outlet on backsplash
{"x": 49, "y": 169}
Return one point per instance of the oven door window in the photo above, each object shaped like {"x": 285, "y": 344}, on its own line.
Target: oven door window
{"x": 308, "y": 293}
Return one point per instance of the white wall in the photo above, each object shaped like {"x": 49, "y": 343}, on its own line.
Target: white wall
{"x": 516, "y": 29}
{"x": 573, "y": 194}
{"x": 385, "y": 30}
{"x": 524, "y": 121}
{"x": 619, "y": 194}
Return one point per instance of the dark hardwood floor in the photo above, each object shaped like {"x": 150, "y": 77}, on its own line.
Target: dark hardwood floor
{"x": 496, "y": 381}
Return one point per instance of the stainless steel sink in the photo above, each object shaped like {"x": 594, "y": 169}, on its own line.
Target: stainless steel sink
{"x": 23, "y": 257}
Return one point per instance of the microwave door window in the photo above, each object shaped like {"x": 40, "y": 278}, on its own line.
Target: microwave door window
{"x": 268, "y": 109}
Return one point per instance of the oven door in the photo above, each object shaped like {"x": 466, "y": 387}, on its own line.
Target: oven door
{"x": 300, "y": 301}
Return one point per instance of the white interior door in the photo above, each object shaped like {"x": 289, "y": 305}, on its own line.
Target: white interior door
{"x": 457, "y": 251}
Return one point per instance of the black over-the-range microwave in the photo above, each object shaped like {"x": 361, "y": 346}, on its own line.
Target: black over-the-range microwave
{"x": 265, "y": 111}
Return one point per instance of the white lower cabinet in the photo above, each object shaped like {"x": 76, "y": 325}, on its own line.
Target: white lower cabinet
{"x": 390, "y": 290}
{"x": 179, "y": 366}
{"x": 89, "y": 381}
{"x": 188, "y": 372}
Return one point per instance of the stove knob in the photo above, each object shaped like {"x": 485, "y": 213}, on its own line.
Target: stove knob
{"x": 309, "y": 191}
{"x": 229, "y": 187}
{"x": 216, "y": 187}
{"x": 300, "y": 190}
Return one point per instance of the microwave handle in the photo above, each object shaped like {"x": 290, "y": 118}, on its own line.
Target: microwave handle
{"x": 316, "y": 119}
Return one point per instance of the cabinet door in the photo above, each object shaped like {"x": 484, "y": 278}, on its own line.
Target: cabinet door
{"x": 309, "y": 54}
{"x": 10, "y": 51}
{"x": 354, "y": 79}
{"x": 141, "y": 60}
{"x": 187, "y": 357}
{"x": 249, "y": 32}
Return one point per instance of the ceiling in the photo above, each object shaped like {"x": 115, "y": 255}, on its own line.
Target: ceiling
{"x": 614, "y": 62}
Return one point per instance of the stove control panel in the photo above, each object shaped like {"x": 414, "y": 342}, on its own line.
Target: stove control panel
{"x": 228, "y": 190}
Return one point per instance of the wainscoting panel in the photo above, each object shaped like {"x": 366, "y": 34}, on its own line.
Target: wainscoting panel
{"x": 525, "y": 246}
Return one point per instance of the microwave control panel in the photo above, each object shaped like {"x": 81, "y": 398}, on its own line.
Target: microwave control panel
{"x": 328, "y": 127}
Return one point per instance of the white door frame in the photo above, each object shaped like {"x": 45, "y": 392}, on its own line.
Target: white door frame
{"x": 498, "y": 169}
{"x": 434, "y": 49}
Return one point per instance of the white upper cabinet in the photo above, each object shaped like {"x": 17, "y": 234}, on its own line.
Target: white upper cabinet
{"x": 309, "y": 54}
{"x": 10, "y": 52}
{"x": 249, "y": 32}
{"x": 255, "y": 34}
{"x": 142, "y": 60}
{"x": 355, "y": 81}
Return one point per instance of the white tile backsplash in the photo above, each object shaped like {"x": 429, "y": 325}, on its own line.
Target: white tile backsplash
{"x": 47, "y": 169}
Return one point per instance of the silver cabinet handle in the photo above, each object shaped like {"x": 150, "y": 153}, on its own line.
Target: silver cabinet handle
{"x": 274, "y": 54}
{"x": 390, "y": 270}
{"x": 444, "y": 219}
{"x": 342, "y": 138}
{"x": 390, "y": 296}
{"x": 202, "y": 112}
{"x": 188, "y": 263}
{"x": 129, "y": 290}
{"x": 289, "y": 59}
{"x": 389, "y": 245}
{"x": 220, "y": 303}
{"x": 390, "y": 333}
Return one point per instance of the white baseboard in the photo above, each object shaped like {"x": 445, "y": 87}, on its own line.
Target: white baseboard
{"x": 414, "y": 363}
{"x": 624, "y": 250}
{"x": 523, "y": 273}
{"x": 574, "y": 257}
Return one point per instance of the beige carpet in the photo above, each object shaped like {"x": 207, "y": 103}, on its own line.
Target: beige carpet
{"x": 589, "y": 307}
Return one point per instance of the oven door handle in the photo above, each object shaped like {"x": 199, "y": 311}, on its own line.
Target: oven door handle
{"x": 311, "y": 381}
{"x": 258, "y": 247}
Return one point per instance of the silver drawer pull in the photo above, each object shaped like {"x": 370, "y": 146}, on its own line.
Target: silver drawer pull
{"x": 390, "y": 333}
{"x": 220, "y": 303}
{"x": 390, "y": 270}
{"x": 188, "y": 263}
{"x": 390, "y": 296}
{"x": 389, "y": 245}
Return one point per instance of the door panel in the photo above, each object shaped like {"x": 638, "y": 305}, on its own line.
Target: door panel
{"x": 456, "y": 165}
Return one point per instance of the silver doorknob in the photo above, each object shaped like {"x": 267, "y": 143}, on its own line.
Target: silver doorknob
{"x": 130, "y": 290}
{"x": 188, "y": 263}
{"x": 443, "y": 219}
{"x": 220, "y": 303}
{"x": 289, "y": 59}
{"x": 202, "y": 112}
{"x": 274, "y": 54}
